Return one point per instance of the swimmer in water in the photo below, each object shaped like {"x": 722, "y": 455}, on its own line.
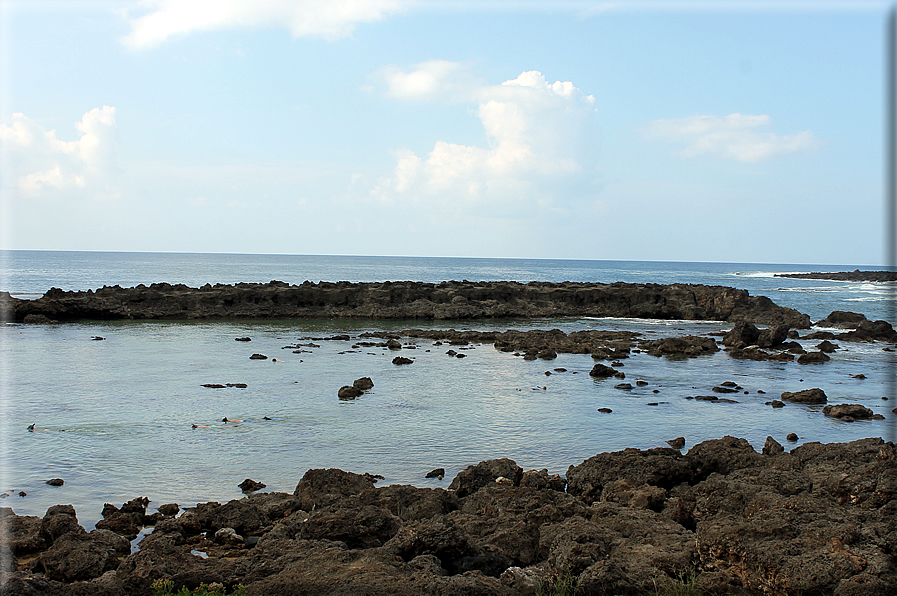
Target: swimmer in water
{"x": 31, "y": 428}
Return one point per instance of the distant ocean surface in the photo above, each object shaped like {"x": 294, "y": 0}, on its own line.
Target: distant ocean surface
{"x": 117, "y": 413}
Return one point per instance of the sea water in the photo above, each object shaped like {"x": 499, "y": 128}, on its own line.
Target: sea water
{"x": 117, "y": 414}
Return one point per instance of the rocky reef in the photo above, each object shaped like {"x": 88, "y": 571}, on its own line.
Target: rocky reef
{"x": 855, "y": 275}
{"x": 403, "y": 300}
{"x": 722, "y": 518}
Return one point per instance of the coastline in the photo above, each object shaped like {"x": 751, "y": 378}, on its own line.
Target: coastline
{"x": 721, "y": 514}
{"x": 686, "y": 511}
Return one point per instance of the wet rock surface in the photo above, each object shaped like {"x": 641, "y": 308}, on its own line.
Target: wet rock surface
{"x": 818, "y": 520}
{"x": 407, "y": 300}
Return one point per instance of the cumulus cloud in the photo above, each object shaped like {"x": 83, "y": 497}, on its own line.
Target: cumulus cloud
{"x": 37, "y": 160}
{"x": 742, "y": 137}
{"x": 536, "y": 134}
{"x": 330, "y": 20}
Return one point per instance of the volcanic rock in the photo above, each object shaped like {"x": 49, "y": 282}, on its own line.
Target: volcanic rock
{"x": 807, "y": 396}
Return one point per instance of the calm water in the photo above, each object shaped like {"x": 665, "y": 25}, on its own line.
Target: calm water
{"x": 118, "y": 412}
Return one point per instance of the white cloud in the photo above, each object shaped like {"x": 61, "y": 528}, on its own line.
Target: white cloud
{"x": 37, "y": 160}
{"x": 330, "y": 19}
{"x": 536, "y": 132}
{"x": 742, "y": 137}
{"x": 427, "y": 80}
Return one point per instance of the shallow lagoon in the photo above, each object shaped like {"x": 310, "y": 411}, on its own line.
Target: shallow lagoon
{"x": 118, "y": 412}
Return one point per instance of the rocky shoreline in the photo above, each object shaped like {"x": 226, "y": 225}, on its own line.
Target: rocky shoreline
{"x": 855, "y": 275}
{"x": 721, "y": 518}
{"x": 403, "y": 300}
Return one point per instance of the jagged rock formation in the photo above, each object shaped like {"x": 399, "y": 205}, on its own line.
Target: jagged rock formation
{"x": 818, "y": 520}
{"x": 855, "y": 275}
{"x": 404, "y": 300}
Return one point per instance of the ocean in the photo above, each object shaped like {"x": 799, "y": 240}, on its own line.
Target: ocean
{"x": 114, "y": 417}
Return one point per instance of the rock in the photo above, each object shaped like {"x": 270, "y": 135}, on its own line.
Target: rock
{"x": 363, "y": 384}
{"x": 393, "y": 344}
{"x": 547, "y": 354}
{"x": 228, "y": 536}
{"x": 36, "y": 319}
{"x": 755, "y": 353}
{"x": 776, "y": 403}
{"x": 541, "y": 479}
{"x": 641, "y": 383}
{"x": 82, "y": 556}
{"x": 721, "y": 389}
{"x": 772, "y": 447}
{"x": 250, "y": 486}
{"x": 409, "y": 300}
{"x": 437, "y": 473}
{"x": 773, "y": 336}
{"x": 631, "y": 494}
{"x": 169, "y": 509}
{"x": 677, "y": 443}
{"x": 59, "y": 520}
{"x": 826, "y": 347}
{"x": 870, "y": 331}
{"x": 55, "y": 482}
{"x": 242, "y": 339}
{"x": 623, "y": 386}
{"x": 741, "y": 335}
{"x": 357, "y": 525}
{"x": 605, "y": 410}
{"x": 686, "y": 346}
{"x": 807, "y": 396}
{"x": 320, "y": 487}
{"x": 349, "y": 392}
{"x": 663, "y": 467}
{"x": 525, "y": 583}
{"x": 602, "y": 371}
{"x": 792, "y": 437}
{"x": 484, "y": 473}
{"x": 722, "y": 456}
{"x": 841, "y": 319}
{"x": 258, "y": 357}
{"x": 22, "y": 533}
{"x": 843, "y": 411}
{"x": 399, "y": 360}
{"x": 214, "y": 386}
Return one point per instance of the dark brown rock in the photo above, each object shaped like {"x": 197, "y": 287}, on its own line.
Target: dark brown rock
{"x": 82, "y": 556}
{"x": 363, "y": 384}
{"x": 349, "y": 392}
{"x": 807, "y": 396}
{"x": 409, "y": 300}
{"x": 473, "y": 478}
{"x": 812, "y": 358}
{"x": 320, "y": 487}
{"x": 852, "y": 411}
{"x": 602, "y": 371}
{"x": 250, "y": 486}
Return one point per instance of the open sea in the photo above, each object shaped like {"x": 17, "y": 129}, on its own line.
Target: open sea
{"x": 117, "y": 414}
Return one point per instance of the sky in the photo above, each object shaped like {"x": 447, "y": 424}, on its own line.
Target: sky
{"x": 662, "y": 131}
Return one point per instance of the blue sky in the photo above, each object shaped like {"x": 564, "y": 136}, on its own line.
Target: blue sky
{"x": 705, "y": 131}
